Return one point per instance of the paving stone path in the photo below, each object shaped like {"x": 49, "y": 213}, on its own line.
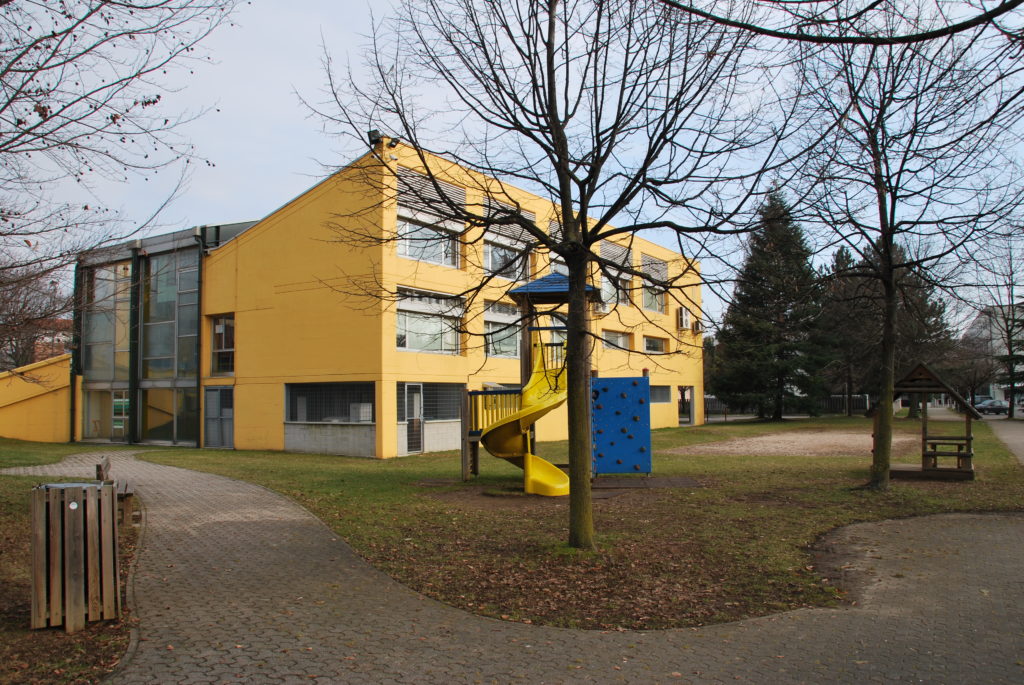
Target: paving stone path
{"x": 235, "y": 583}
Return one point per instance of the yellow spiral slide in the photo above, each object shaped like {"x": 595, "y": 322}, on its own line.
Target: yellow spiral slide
{"x": 509, "y": 438}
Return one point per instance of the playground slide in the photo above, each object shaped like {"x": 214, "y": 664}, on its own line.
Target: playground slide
{"x": 509, "y": 438}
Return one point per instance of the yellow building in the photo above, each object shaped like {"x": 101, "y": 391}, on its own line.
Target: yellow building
{"x": 346, "y": 321}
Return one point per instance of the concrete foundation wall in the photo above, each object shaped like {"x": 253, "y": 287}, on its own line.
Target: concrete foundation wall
{"x": 354, "y": 440}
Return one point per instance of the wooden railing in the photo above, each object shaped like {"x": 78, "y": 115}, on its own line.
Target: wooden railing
{"x": 487, "y": 407}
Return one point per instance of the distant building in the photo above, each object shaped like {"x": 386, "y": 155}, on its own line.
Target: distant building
{"x": 988, "y": 333}
{"x": 35, "y": 341}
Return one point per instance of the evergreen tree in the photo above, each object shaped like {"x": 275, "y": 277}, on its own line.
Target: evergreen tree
{"x": 846, "y": 326}
{"x": 765, "y": 354}
{"x": 851, "y": 324}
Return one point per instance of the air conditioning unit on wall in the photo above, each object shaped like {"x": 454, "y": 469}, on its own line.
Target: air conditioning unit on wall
{"x": 683, "y": 321}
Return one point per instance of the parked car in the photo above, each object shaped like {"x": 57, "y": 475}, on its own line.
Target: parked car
{"x": 992, "y": 407}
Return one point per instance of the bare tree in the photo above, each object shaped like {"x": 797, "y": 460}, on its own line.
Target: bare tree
{"x": 83, "y": 88}
{"x": 1000, "y": 319}
{"x": 917, "y": 171}
{"x": 971, "y": 365}
{"x": 626, "y": 115}
{"x": 32, "y": 315}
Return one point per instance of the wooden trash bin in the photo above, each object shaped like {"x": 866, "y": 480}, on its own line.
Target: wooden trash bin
{"x": 74, "y": 555}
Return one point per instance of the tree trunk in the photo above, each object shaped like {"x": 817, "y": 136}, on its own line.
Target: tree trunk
{"x": 915, "y": 407}
{"x": 849, "y": 389}
{"x": 780, "y": 394}
{"x": 882, "y": 458}
{"x": 581, "y": 516}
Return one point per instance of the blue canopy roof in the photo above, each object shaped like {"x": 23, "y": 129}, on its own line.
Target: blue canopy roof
{"x": 550, "y": 289}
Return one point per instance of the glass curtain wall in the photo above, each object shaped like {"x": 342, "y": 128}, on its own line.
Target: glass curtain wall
{"x": 106, "y": 315}
{"x": 170, "y": 348}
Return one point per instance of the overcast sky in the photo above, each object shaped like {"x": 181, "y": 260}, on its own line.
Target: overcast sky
{"x": 264, "y": 146}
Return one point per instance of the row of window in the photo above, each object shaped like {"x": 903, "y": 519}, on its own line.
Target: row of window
{"x": 354, "y": 402}
{"x": 619, "y": 340}
{"x": 438, "y": 246}
{"x": 435, "y": 245}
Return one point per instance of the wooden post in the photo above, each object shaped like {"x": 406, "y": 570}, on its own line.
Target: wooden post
{"x": 108, "y": 545}
{"x": 93, "y": 523}
{"x": 74, "y": 560}
{"x": 924, "y": 434}
{"x": 465, "y": 424}
{"x": 39, "y": 612}
{"x": 56, "y": 566}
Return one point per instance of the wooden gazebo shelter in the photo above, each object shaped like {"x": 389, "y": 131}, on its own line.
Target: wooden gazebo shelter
{"x": 960, "y": 446}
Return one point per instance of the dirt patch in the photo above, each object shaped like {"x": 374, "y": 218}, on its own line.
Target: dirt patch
{"x": 804, "y": 444}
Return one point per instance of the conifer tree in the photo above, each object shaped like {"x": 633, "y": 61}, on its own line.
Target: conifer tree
{"x": 845, "y": 326}
{"x": 766, "y": 356}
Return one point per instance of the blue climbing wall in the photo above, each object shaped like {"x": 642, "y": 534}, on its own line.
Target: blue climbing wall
{"x": 621, "y": 425}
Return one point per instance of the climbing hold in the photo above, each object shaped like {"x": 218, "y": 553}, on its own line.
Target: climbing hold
{"x": 618, "y": 461}
{"x": 636, "y": 418}
{"x": 623, "y": 430}
{"x": 623, "y": 395}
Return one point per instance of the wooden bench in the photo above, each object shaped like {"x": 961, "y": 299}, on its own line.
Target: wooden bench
{"x": 124, "y": 489}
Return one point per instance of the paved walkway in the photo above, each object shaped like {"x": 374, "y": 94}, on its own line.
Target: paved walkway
{"x": 235, "y": 583}
{"x": 1011, "y": 432}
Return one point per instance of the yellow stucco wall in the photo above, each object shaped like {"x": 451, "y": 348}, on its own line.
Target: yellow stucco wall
{"x": 34, "y": 401}
{"x": 294, "y": 290}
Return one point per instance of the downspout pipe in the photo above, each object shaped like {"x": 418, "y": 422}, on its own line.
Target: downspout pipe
{"x": 134, "y": 337}
{"x": 199, "y": 233}
{"x": 76, "y": 349}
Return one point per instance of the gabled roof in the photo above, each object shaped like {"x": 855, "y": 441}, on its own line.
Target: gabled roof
{"x": 922, "y": 379}
{"x": 551, "y": 289}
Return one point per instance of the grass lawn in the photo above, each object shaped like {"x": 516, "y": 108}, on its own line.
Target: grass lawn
{"x": 738, "y": 546}
{"x": 43, "y": 656}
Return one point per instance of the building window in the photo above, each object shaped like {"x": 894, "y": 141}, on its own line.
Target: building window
{"x": 654, "y": 299}
{"x": 654, "y": 292}
{"x": 505, "y": 261}
{"x": 661, "y": 394}
{"x": 441, "y": 401}
{"x": 329, "y": 402}
{"x": 223, "y": 345}
{"x": 615, "y": 340}
{"x": 170, "y": 316}
{"x": 426, "y": 333}
{"x": 501, "y": 330}
{"x": 428, "y": 322}
{"x": 170, "y": 415}
{"x": 655, "y": 345}
{"x": 559, "y": 267}
{"x": 427, "y": 244}
{"x": 502, "y": 340}
{"x": 614, "y": 292}
{"x": 107, "y": 293}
